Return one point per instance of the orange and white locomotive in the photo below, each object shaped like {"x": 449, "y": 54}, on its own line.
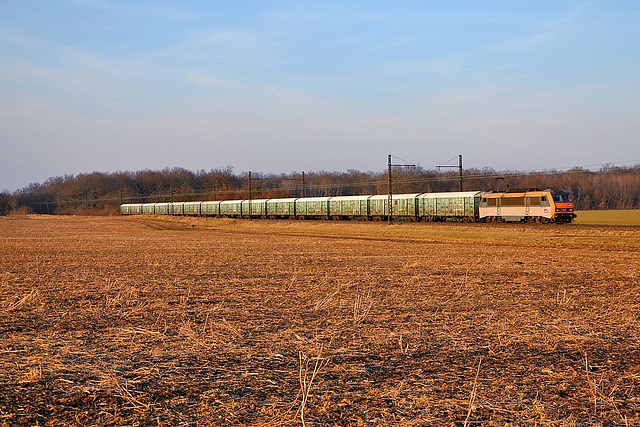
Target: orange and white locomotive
{"x": 550, "y": 205}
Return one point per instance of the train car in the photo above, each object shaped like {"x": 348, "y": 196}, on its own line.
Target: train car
{"x": 136, "y": 209}
{"x": 281, "y": 208}
{"x": 405, "y": 206}
{"x": 162, "y": 208}
{"x": 211, "y": 208}
{"x": 192, "y": 208}
{"x": 530, "y": 205}
{"x": 131, "y": 209}
{"x": 378, "y": 207}
{"x": 231, "y": 208}
{"x": 148, "y": 208}
{"x": 258, "y": 208}
{"x": 460, "y": 206}
{"x": 176, "y": 208}
{"x": 346, "y": 207}
{"x": 312, "y": 208}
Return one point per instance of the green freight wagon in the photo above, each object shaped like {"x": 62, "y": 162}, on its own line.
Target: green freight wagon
{"x": 192, "y": 208}
{"x": 211, "y": 208}
{"x": 281, "y": 208}
{"x": 349, "y": 206}
{"x": 162, "y": 208}
{"x": 148, "y": 208}
{"x": 176, "y": 208}
{"x": 405, "y": 205}
{"x": 378, "y": 206}
{"x": 312, "y": 207}
{"x": 136, "y": 209}
{"x": 258, "y": 207}
{"x": 443, "y": 206}
{"x": 231, "y": 208}
{"x": 131, "y": 209}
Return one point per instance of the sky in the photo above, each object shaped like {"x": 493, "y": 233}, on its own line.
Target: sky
{"x": 284, "y": 86}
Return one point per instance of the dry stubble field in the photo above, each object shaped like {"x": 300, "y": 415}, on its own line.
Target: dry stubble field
{"x": 172, "y": 321}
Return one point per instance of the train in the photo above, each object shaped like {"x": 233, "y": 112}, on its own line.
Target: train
{"x": 518, "y": 205}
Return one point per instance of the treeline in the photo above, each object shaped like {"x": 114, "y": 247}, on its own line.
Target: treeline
{"x": 102, "y": 193}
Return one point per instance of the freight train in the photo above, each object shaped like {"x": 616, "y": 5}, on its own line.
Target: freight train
{"x": 531, "y": 205}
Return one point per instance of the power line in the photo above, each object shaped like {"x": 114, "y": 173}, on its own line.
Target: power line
{"x": 376, "y": 181}
{"x": 403, "y": 160}
{"x": 444, "y": 163}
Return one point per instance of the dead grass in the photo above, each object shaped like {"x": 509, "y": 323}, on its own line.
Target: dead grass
{"x": 162, "y": 321}
{"x": 628, "y": 217}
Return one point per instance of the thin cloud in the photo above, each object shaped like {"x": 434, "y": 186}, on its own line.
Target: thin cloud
{"x": 129, "y": 8}
{"x": 13, "y": 38}
{"x": 272, "y": 86}
{"x": 229, "y": 48}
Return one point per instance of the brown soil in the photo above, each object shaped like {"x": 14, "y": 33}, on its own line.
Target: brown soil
{"x": 175, "y": 321}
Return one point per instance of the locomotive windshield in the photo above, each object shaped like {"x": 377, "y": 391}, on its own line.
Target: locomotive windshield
{"x": 561, "y": 196}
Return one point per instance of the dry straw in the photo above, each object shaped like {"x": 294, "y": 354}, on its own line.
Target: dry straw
{"x": 114, "y": 321}
{"x": 361, "y": 306}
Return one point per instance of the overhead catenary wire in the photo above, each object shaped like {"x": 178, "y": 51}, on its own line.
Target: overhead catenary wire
{"x": 310, "y": 187}
{"x": 272, "y": 185}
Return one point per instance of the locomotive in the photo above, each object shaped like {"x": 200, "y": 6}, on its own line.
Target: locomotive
{"x": 527, "y": 205}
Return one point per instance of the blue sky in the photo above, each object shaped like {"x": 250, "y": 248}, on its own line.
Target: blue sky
{"x": 112, "y": 85}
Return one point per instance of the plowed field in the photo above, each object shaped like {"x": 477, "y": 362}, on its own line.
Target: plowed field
{"x": 174, "y": 321}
